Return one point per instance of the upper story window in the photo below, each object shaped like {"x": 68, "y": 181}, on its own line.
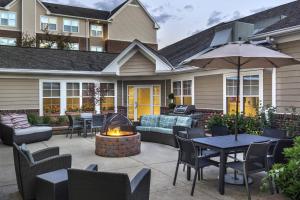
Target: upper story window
{"x": 7, "y": 18}
{"x": 96, "y": 31}
{"x": 74, "y": 46}
{"x": 97, "y": 48}
{"x": 8, "y": 41}
{"x": 48, "y": 44}
{"x": 71, "y": 25}
{"x": 49, "y": 23}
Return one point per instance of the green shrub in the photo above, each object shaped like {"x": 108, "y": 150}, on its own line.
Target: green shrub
{"x": 287, "y": 176}
{"x": 62, "y": 120}
{"x": 33, "y": 118}
{"x": 46, "y": 120}
{"x": 216, "y": 120}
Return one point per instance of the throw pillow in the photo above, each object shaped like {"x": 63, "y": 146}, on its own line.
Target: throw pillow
{"x": 27, "y": 153}
{"x": 20, "y": 121}
{"x": 6, "y": 120}
{"x": 184, "y": 122}
{"x": 167, "y": 121}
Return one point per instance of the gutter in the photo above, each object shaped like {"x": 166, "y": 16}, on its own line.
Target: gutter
{"x": 277, "y": 32}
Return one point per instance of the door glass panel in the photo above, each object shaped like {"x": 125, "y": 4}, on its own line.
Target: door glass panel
{"x": 143, "y": 102}
{"x": 156, "y": 100}
{"x": 130, "y": 108}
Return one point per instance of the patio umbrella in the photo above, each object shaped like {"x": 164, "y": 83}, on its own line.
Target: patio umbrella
{"x": 239, "y": 56}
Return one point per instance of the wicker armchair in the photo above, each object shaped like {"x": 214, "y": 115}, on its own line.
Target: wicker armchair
{"x": 93, "y": 185}
{"x": 46, "y": 160}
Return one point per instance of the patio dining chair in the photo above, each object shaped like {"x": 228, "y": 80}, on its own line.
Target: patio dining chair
{"x": 97, "y": 123}
{"x": 273, "y": 133}
{"x": 256, "y": 161}
{"x": 189, "y": 156}
{"x": 74, "y": 124}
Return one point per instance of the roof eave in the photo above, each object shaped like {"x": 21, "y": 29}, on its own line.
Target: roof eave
{"x": 277, "y": 32}
{"x": 77, "y": 17}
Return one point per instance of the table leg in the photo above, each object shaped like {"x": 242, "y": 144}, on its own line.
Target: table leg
{"x": 188, "y": 173}
{"x": 85, "y": 129}
{"x": 222, "y": 169}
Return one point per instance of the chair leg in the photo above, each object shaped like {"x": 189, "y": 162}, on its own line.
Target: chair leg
{"x": 247, "y": 185}
{"x": 72, "y": 133}
{"x": 194, "y": 181}
{"x": 176, "y": 172}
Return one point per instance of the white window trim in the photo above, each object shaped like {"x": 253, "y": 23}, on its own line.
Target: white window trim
{"x": 246, "y": 73}
{"x": 181, "y": 93}
{"x": 96, "y": 48}
{"x": 71, "y": 26}
{"x": 16, "y": 17}
{"x": 48, "y": 22}
{"x": 100, "y": 36}
{"x": 63, "y": 93}
{"x": 115, "y": 93}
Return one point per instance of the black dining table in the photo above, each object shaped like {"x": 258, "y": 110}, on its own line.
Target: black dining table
{"x": 227, "y": 144}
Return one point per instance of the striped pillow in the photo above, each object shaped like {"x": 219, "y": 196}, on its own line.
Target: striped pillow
{"x": 20, "y": 121}
{"x": 6, "y": 120}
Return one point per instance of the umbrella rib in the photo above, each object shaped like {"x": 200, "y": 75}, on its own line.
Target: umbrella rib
{"x": 208, "y": 63}
{"x": 272, "y": 62}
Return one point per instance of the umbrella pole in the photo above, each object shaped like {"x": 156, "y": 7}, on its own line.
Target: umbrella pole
{"x": 237, "y": 98}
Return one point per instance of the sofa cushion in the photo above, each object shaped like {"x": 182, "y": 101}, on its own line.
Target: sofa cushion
{"x": 27, "y": 152}
{"x": 167, "y": 121}
{"x": 20, "y": 121}
{"x": 162, "y": 130}
{"x": 143, "y": 128}
{"x": 184, "y": 121}
{"x": 6, "y": 120}
{"x": 32, "y": 129}
{"x": 150, "y": 120}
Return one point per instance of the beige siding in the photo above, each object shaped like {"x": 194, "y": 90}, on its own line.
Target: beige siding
{"x": 209, "y": 92}
{"x": 267, "y": 87}
{"x": 29, "y": 17}
{"x": 17, "y": 8}
{"x": 138, "y": 65}
{"x": 130, "y": 24}
{"x": 18, "y": 94}
{"x": 288, "y": 79}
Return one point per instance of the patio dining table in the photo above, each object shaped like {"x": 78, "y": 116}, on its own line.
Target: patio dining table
{"x": 227, "y": 144}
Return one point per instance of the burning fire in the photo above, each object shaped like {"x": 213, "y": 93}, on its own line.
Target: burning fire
{"x": 115, "y": 132}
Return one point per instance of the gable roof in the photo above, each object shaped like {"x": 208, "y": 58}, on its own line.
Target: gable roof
{"x": 76, "y": 11}
{"x": 53, "y": 59}
{"x": 186, "y": 48}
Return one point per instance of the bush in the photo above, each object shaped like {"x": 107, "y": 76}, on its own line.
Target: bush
{"x": 62, "y": 120}
{"x": 216, "y": 120}
{"x": 33, "y": 118}
{"x": 287, "y": 176}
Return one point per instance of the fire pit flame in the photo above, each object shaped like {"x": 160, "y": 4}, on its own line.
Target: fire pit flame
{"x": 116, "y": 132}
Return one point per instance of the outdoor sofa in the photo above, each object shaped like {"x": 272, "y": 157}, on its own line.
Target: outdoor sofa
{"x": 162, "y": 128}
{"x": 11, "y": 132}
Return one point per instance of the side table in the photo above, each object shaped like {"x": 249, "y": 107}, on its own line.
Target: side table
{"x": 52, "y": 185}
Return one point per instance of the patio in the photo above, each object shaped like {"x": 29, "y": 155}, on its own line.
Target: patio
{"x": 160, "y": 158}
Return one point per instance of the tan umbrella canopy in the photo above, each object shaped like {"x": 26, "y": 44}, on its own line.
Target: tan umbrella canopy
{"x": 241, "y": 56}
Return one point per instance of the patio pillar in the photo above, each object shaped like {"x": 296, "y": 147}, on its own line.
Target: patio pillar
{"x": 274, "y": 87}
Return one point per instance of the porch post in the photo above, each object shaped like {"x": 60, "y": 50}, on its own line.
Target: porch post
{"x": 274, "y": 87}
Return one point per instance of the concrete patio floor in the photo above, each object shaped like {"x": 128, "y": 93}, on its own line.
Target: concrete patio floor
{"x": 160, "y": 158}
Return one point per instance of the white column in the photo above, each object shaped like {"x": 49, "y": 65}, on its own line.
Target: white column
{"x": 63, "y": 97}
{"x": 274, "y": 87}
{"x": 97, "y": 103}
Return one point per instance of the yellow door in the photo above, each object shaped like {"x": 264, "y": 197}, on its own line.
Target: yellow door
{"x": 143, "y": 104}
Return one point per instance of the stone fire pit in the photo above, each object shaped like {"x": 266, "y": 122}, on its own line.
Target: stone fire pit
{"x": 119, "y": 146}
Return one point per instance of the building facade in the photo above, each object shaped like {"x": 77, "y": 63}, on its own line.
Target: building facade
{"x": 138, "y": 79}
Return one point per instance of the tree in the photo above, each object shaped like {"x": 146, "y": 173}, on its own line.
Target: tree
{"x": 63, "y": 41}
{"x": 26, "y": 40}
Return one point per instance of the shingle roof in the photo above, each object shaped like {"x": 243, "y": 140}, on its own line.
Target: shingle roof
{"x": 51, "y": 59}
{"x": 3, "y": 3}
{"x": 77, "y": 11}
{"x": 117, "y": 8}
{"x": 180, "y": 51}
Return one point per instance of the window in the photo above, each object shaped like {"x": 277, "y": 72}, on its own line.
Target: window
{"x": 177, "y": 92}
{"x": 96, "y": 31}
{"x": 51, "y": 97}
{"x": 73, "y": 97}
{"x": 182, "y": 92}
{"x": 88, "y": 101}
{"x": 7, "y": 18}
{"x": 156, "y": 100}
{"x": 8, "y": 41}
{"x": 187, "y": 92}
{"x": 49, "y": 23}
{"x": 48, "y": 44}
{"x": 250, "y": 95}
{"x": 74, "y": 46}
{"x": 71, "y": 26}
{"x": 97, "y": 48}
{"x": 108, "y": 93}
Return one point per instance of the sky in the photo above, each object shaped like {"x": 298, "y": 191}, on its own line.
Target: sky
{"x": 179, "y": 19}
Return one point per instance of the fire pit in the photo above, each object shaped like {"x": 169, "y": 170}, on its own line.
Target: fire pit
{"x": 118, "y": 138}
